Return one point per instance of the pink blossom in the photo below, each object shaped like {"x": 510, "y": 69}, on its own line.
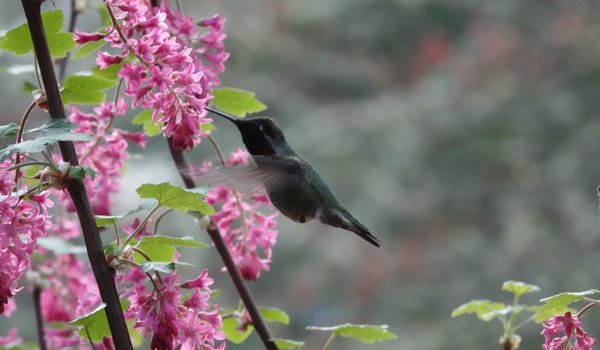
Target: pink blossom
{"x": 105, "y": 154}
{"x": 22, "y": 221}
{"x": 173, "y": 321}
{"x": 82, "y": 37}
{"x": 104, "y": 60}
{"x": 249, "y": 234}
{"x": 570, "y": 326}
{"x": 11, "y": 339}
{"x": 171, "y": 77}
{"x": 69, "y": 294}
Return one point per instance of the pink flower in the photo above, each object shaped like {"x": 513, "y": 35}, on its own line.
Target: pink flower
{"x": 173, "y": 321}
{"x": 570, "y": 326}
{"x": 249, "y": 234}
{"x": 22, "y": 221}
{"x": 105, "y": 154}
{"x": 104, "y": 60}
{"x": 176, "y": 69}
{"x": 82, "y": 37}
{"x": 11, "y": 339}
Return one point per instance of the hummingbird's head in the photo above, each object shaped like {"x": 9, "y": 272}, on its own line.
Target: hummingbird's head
{"x": 261, "y": 135}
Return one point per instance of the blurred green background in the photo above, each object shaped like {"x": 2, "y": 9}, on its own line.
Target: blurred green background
{"x": 464, "y": 134}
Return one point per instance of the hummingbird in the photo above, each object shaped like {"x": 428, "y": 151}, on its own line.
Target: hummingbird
{"x": 292, "y": 184}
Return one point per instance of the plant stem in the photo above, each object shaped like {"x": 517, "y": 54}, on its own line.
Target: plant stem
{"x": 102, "y": 271}
{"x": 330, "y": 341}
{"x": 37, "y": 291}
{"x": 65, "y": 60}
{"x": 257, "y": 321}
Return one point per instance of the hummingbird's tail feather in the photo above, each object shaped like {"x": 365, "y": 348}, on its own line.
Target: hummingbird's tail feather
{"x": 363, "y": 232}
{"x": 346, "y": 221}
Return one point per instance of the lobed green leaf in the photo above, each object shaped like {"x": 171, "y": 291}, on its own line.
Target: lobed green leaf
{"x": 236, "y": 101}
{"x": 175, "y": 197}
{"x": 9, "y": 130}
{"x": 95, "y": 323}
{"x": 18, "y": 40}
{"x": 272, "y": 314}
{"x": 85, "y": 89}
{"x": 110, "y": 72}
{"x": 288, "y": 344}
{"x": 232, "y": 331}
{"x": 484, "y": 309}
{"x": 559, "y": 304}
{"x": 366, "y": 333}
{"x": 107, "y": 220}
{"x": 88, "y": 48}
{"x": 519, "y": 288}
{"x": 163, "y": 248}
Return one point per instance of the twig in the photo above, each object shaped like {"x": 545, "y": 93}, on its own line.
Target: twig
{"x": 37, "y": 291}
{"x": 257, "y": 321}
{"x": 102, "y": 271}
{"x": 65, "y": 60}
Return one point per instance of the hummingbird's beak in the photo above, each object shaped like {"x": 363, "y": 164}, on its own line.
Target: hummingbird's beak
{"x": 224, "y": 115}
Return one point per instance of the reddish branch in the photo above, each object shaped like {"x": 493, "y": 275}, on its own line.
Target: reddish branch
{"x": 257, "y": 321}
{"x": 102, "y": 272}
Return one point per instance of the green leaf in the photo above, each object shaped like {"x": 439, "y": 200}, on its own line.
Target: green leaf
{"x": 163, "y": 248}
{"x": 79, "y": 172}
{"x": 519, "y": 288}
{"x": 484, "y": 309}
{"x": 87, "y": 48}
{"x": 559, "y": 304}
{"x": 85, "y": 89}
{"x": 272, "y": 314}
{"x": 151, "y": 128}
{"x": 18, "y": 40}
{"x": 110, "y": 72}
{"x": 142, "y": 117}
{"x": 175, "y": 197}
{"x": 29, "y": 146}
{"x": 162, "y": 266}
{"x": 9, "y": 130}
{"x": 60, "y": 246}
{"x": 237, "y": 102}
{"x": 53, "y": 126}
{"x": 208, "y": 127}
{"x": 233, "y": 333}
{"x": 106, "y": 220}
{"x": 95, "y": 323}
{"x": 165, "y": 267}
{"x": 29, "y": 87}
{"x": 366, "y": 333}
{"x": 288, "y": 344}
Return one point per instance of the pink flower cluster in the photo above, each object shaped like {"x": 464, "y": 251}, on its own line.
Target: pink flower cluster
{"x": 173, "y": 321}
{"x": 105, "y": 154}
{"x": 66, "y": 296}
{"x": 22, "y": 221}
{"x": 170, "y": 76}
{"x": 571, "y": 327}
{"x": 249, "y": 234}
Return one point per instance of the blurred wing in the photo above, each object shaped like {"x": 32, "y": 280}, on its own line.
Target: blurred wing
{"x": 242, "y": 178}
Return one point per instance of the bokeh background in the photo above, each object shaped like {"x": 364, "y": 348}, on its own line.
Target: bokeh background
{"x": 464, "y": 134}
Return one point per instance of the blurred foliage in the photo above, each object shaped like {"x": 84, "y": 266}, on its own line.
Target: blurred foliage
{"x": 463, "y": 134}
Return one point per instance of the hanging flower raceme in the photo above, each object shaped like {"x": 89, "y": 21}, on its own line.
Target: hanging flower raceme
{"x": 172, "y": 320}
{"x": 560, "y": 330}
{"x": 249, "y": 234}
{"x": 176, "y": 64}
{"x": 23, "y": 219}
